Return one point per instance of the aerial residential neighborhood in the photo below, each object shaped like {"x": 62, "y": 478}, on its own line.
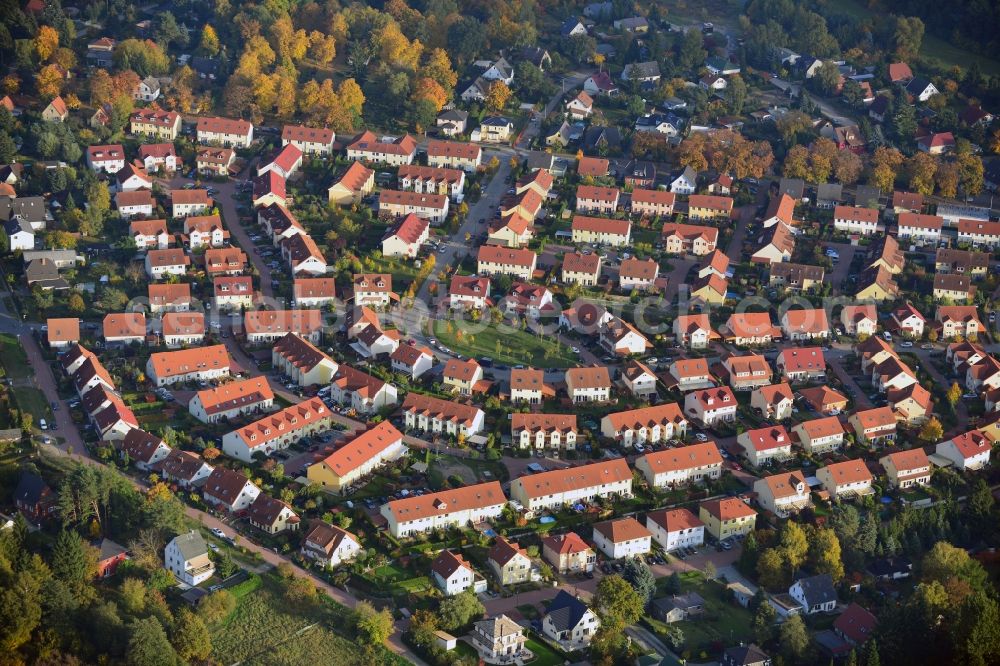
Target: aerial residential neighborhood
{"x": 459, "y": 333}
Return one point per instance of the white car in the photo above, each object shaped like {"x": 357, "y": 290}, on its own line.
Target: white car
{"x": 906, "y": 344}
{"x": 639, "y": 448}
{"x": 701, "y": 437}
{"x": 219, "y": 533}
{"x": 576, "y": 350}
{"x": 42, "y": 424}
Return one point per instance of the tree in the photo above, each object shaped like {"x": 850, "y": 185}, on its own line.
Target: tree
{"x": 908, "y": 36}
{"x": 641, "y": 577}
{"x": 736, "y": 94}
{"x": 429, "y": 90}
{"x": 75, "y": 303}
{"x": 904, "y": 125}
{"x": 148, "y": 644}
{"x": 133, "y": 595}
{"x": 791, "y": 124}
{"x": 932, "y": 430}
{"x": 971, "y": 173}
{"x": 975, "y": 633}
{"x": 458, "y": 611}
{"x": 824, "y": 553}
{"x": 796, "y": 164}
{"x": 944, "y": 562}
{"x": 827, "y": 79}
{"x": 617, "y": 604}
{"x": 921, "y": 168}
{"x": 794, "y": 544}
{"x": 217, "y": 606}
{"x": 74, "y": 563}
{"x": 438, "y": 67}
{"x": 191, "y": 638}
{"x": 885, "y": 161}
{"x": 691, "y": 52}
{"x": 497, "y": 96}
{"x": 954, "y": 394}
{"x": 847, "y": 167}
{"x": 374, "y": 627}
{"x": 8, "y": 149}
{"x": 49, "y": 81}
{"x": 794, "y": 638}
{"x": 871, "y": 654}
{"x": 946, "y": 178}
{"x": 771, "y": 569}
{"x": 209, "y": 43}
{"x": 46, "y": 42}
{"x": 674, "y": 583}
{"x": 981, "y": 502}
{"x": 853, "y": 94}
{"x": 322, "y": 48}
{"x": 168, "y": 32}
{"x": 142, "y": 57}
{"x": 763, "y": 623}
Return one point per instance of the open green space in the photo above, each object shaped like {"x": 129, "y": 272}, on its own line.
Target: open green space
{"x": 264, "y": 629}
{"x": 508, "y": 347}
{"x": 723, "y": 621}
{"x": 33, "y": 401}
{"x": 932, "y": 46}
{"x": 13, "y": 358}
{"x": 544, "y": 655}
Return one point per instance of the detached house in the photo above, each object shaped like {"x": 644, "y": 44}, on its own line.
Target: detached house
{"x": 815, "y": 594}
{"x": 807, "y": 324}
{"x": 746, "y": 372}
{"x": 510, "y": 563}
{"x": 329, "y": 545}
{"x": 622, "y": 538}
{"x": 711, "y": 406}
{"x": 783, "y": 494}
{"x": 850, "y": 478}
{"x": 968, "y": 451}
{"x": 454, "y": 575}
{"x": 774, "y": 402}
{"x": 694, "y": 331}
{"x": 225, "y": 132}
{"x": 764, "y": 445}
{"x": 229, "y": 490}
{"x": 876, "y": 425}
{"x": 272, "y": 516}
{"x": 186, "y": 557}
{"x": 568, "y": 553}
{"x": 820, "y": 435}
{"x": 800, "y": 364}
{"x": 726, "y": 518}
{"x": 906, "y": 469}
{"x": 675, "y": 528}
{"x": 354, "y": 184}
{"x": 386, "y": 150}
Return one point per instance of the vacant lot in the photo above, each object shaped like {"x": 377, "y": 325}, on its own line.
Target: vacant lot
{"x": 508, "y": 347}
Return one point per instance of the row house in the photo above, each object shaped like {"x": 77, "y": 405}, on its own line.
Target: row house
{"x": 750, "y": 328}
{"x": 358, "y": 458}
{"x": 432, "y": 180}
{"x": 272, "y": 516}
{"x": 953, "y": 321}
{"x": 908, "y": 322}
{"x": 373, "y": 290}
{"x": 454, "y": 575}
{"x": 277, "y": 431}
{"x": 514, "y": 230}
{"x": 462, "y": 376}
{"x": 968, "y": 451}
{"x": 137, "y": 203}
{"x": 573, "y": 485}
{"x": 689, "y": 239}
{"x": 601, "y": 231}
{"x": 955, "y": 288}
{"x": 688, "y": 374}
{"x": 454, "y": 154}
{"x": 694, "y": 331}
{"x": 284, "y": 161}
{"x": 961, "y": 262}
{"x": 313, "y": 292}
{"x": 621, "y": 338}
{"x": 180, "y": 329}
{"x": 581, "y": 269}
{"x": 225, "y": 132}
{"x": 622, "y": 538}
{"x": 495, "y": 260}
{"x": 635, "y": 273}
{"x": 527, "y": 385}
{"x": 979, "y": 233}
{"x": 653, "y": 203}
{"x": 544, "y": 432}
{"x": 123, "y": 328}
{"x": 765, "y": 445}
{"x": 680, "y": 466}
{"x": 310, "y": 140}
{"x": 639, "y": 380}
{"x": 596, "y": 199}
{"x": 780, "y": 210}
{"x": 214, "y": 161}
{"x": 188, "y": 365}
{"x": 710, "y": 207}
{"x": 430, "y": 414}
{"x": 591, "y": 384}
{"x": 189, "y": 202}
{"x": 143, "y": 448}
{"x": 132, "y": 177}
{"x": 268, "y": 188}
{"x": 265, "y": 326}
{"x": 301, "y": 361}
{"x": 232, "y": 400}
{"x": 747, "y": 372}
{"x": 406, "y": 238}
{"x": 776, "y": 245}
{"x": 658, "y": 423}
{"x": 225, "y": 261}
{"x": 185, "y": 468}
{"x": 727, "y": 518}
{"x": 161, "y": 264}
{"x": 796, "y": 277}
{"x": 919, "y": 227}
{"x": 386, "y": 150}
{"x": 163, "y": 125}
{"x": 431, "y": 207}
{"x": 456, "y": 507}
{"x": 855, "y": 220}
{"x": 108, "y": 159}
{"x": 303, "y": 255}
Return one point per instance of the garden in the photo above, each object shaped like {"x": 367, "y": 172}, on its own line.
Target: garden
{"x": 509, "y": 347}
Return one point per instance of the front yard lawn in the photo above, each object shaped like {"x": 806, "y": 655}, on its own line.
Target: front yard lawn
{"x": 508, "y": 347}
{"x": 724, "y": 620}
{"x": 33, "y": 401}
{"x": 15, "y": 361}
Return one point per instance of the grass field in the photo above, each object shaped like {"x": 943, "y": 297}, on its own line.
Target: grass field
{"x": 263, "y": 630}
{"x": 33, "y": 401}
{"x": 13, "y": 358}
{"x": 932, "y": 46}
{"x": 544, "y": 655}
{"x": 513, "y": 347}
{"x": 724, "y": 620}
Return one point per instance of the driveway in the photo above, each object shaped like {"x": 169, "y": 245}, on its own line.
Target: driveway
{"x": 743, "y": 220}
{"x": 836, "y": 364}
{"x": 62, "y": 425}
{"x": 842, "y": 269}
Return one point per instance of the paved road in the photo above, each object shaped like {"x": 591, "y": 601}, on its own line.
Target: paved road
{"x": 836, "y": 364}
{"x": 961, "y": 410}
{"x": 743, "y": 220}
{"x": 825, "y": 107}
{"x": 842, "y": 270}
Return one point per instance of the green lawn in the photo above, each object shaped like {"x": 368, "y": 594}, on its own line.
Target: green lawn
{"x": 724, "y": 620}
{"x": 33, "y": 401}
{"x": 544, "y": 655}
{"x": 507, "y": 347}
{"x": 13, "y": 358}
